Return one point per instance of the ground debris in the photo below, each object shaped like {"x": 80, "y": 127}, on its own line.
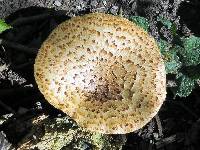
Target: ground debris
{"x": 168, "y": 140}
{"x": 46, "y": 133}
{"x": 179, "y": 117}
{"x": 4, "y": 144}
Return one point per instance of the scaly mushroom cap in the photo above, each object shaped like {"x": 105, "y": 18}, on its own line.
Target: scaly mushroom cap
{"x": 104, "y": 71}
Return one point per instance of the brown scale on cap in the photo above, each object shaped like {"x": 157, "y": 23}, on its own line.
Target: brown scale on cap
{"x": 103, "y": 71}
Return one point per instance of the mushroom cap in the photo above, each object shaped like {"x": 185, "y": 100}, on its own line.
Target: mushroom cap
{"x": 103, "y": 71}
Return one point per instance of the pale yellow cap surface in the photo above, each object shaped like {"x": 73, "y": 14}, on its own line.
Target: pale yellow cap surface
{"x": 103, "y": 71}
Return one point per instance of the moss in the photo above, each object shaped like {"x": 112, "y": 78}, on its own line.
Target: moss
{"x": 114, "y": 142}
{"x": 62, "y": 133}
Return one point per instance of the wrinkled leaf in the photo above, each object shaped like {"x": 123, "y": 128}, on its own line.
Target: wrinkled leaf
{"x": 191, "y": 52}
{"x": 185, "y": 85}
{"x": 4, "y": 26}
{"x": 172, "y": 63}
{"x": 140, "y": 21}
{"x": 170, "y": 26}
{"x": 165, "y": 22}
{"x": 181, "y": 57}
{"x": 164, "y": 46}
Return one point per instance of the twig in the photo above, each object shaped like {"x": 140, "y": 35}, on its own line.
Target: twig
{"x": 120, "y": 11}
{"x": 6, "y": 55}
{"x": 179, "y": 137}
{"x": 166, "y": 141}
{"x": 6, "y": 107}
{"x": 159, "y": 125}
{"x": 18, "y": 47}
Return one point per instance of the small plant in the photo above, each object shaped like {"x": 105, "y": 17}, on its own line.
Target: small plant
{"x": 181, "y": 56}
{"x": 141, "y": 21}
{"x": 4, "y": 26}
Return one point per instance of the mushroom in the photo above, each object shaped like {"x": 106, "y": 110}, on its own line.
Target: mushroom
{"x": 104, "y": 71}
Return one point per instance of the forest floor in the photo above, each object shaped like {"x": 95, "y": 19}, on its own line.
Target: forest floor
{"x": 27, "y": 121}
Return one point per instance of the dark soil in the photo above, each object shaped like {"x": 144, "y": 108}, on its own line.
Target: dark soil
{"x": 190, "y": 16}
{"x": 177, "y": 126}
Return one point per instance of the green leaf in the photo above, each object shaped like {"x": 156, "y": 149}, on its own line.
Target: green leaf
{"x": 170, "y": 25}
{"x": 4, "y": 26}
{"x": 140, "y": 21}
{"x": 164, "y": 46}
{"x": 165, "y": 22}
{"x": 185, "y": 85}
{"x": 173, "y": 29}
{"x": 191, "y": 52}
{"x": 172, "y": 63}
